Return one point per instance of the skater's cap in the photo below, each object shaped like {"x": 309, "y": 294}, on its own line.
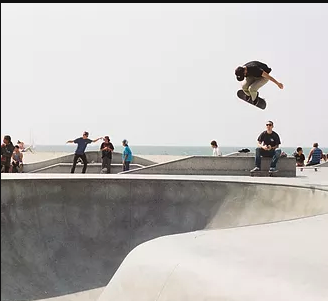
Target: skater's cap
{"x": 239, "y": 72}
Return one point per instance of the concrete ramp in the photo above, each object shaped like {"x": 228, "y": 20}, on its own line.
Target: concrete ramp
{"x": 283, "y": 261}
{"x": 92, "y": 156}
{"x": 64, "y": 237}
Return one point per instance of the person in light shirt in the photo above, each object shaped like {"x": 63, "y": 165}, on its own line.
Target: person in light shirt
{"x": 216, "y": 149}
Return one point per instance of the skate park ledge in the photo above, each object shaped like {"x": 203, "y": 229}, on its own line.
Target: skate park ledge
{"x": 225, "y": 165}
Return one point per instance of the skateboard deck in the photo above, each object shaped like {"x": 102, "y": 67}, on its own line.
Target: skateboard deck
{"x": 260, "y": 104}
{"x": 301, "y": 168}
{"x": 263, "y": 173}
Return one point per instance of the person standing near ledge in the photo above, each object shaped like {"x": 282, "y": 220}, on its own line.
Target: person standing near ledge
{"x": 106, "y": 154}
{"x": 216, "y": 149}
{"x": 268, "y": 146}
{"x": 7, "y": 149}
{"x": 126, "y": 155}
{"x": 82, "y": 143}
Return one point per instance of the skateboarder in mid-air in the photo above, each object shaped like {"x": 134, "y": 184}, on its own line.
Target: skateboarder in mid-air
{"x": 256, "y": 75}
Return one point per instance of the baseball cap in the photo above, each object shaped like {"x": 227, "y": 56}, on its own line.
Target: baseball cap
{"x": 239, "y": 72}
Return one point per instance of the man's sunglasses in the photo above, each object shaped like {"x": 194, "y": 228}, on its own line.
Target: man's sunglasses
{"x": 268, "y": 124}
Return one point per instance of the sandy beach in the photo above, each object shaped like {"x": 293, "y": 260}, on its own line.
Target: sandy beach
{"x": 43, "y": 156}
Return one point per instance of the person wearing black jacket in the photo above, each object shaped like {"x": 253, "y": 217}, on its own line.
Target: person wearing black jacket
{"x": 106, "y": 148}
{"x": 7, "y": 149}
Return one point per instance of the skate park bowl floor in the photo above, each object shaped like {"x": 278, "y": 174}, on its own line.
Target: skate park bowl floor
{"x": 64, "y": 236}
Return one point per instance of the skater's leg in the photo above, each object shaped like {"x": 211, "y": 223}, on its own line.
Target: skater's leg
{"x": 255, "y": 86}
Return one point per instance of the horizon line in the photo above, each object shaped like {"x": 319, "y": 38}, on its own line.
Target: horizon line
{"x": 145, "y": 145}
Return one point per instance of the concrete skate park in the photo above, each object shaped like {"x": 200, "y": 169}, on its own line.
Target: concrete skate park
{"x": 199, "y": 228}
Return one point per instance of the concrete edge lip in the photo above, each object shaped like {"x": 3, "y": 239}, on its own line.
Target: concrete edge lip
{"x": 305, "y": 182}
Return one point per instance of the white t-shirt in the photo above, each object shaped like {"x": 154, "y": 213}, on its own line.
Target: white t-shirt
{"x": 216, "y": 151}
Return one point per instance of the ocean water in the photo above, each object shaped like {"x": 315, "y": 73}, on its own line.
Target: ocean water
{"x": 165, "y": 150}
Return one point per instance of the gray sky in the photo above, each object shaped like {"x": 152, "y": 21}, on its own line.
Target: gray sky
{"x": 162, "y": 74}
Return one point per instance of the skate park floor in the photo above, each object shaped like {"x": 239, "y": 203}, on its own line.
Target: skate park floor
{"x": 65, "y": 236}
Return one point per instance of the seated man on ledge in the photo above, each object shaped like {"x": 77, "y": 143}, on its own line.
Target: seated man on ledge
{"x": 268, "y": 143}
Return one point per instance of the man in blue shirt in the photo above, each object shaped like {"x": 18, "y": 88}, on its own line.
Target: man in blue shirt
{"x": 82, "y": 143}
{"x": 315, "y": 155}
{"x": 126, "y": 155}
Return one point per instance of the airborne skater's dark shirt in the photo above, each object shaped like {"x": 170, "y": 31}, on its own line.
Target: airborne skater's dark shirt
{"x": 256, "y": 69}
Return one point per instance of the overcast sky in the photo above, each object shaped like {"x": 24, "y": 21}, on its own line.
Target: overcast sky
{"x": 162, "y": 74}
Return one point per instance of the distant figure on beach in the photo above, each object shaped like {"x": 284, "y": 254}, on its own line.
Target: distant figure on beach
{"x": 126, "y": 155}
{"x": 82, "y": 143}
{"x": 7, "y": 149}
{"x": 216, "y": 149}
{"x": 22, "y": 147}
{"x": 315, "y": 155}
{"x": 299, "y": 156}
{"x": 17, "y": 160}
{"x": 268, "y": 146}
{"x": 106, "y": 154}
{"x": 257, "y": 75}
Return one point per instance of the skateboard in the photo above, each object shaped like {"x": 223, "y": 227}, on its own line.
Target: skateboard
{"x": 263, "y": 173}
{"x": 301, "y": 168}
{"x": 260, "y": 104}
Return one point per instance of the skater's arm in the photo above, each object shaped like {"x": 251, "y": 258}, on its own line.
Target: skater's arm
{"x": 97, "y": 139}
{"x": 273, "y": 147}
{"x": 269, "y": 77}
{"x": 12, "y": 157}
{"x": 70, "y": 141}
{"x": 261, "y": 145}
{"x": 310, "y": 155}
{"x": 105, "y": 148}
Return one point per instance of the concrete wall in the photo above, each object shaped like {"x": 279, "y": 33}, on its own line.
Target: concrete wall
{"x": 93, "y": 168}
{"x": 92, "y": 156}
{"x": 208, "y": 165}
{"x": 70, "y": 233}
{"x": 238, "y": 154}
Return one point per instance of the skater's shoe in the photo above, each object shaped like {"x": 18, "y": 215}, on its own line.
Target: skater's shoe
{"x": 257, "y": 99}
{"x": 255, "y": 169}
{"x": 272, "y": 169}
